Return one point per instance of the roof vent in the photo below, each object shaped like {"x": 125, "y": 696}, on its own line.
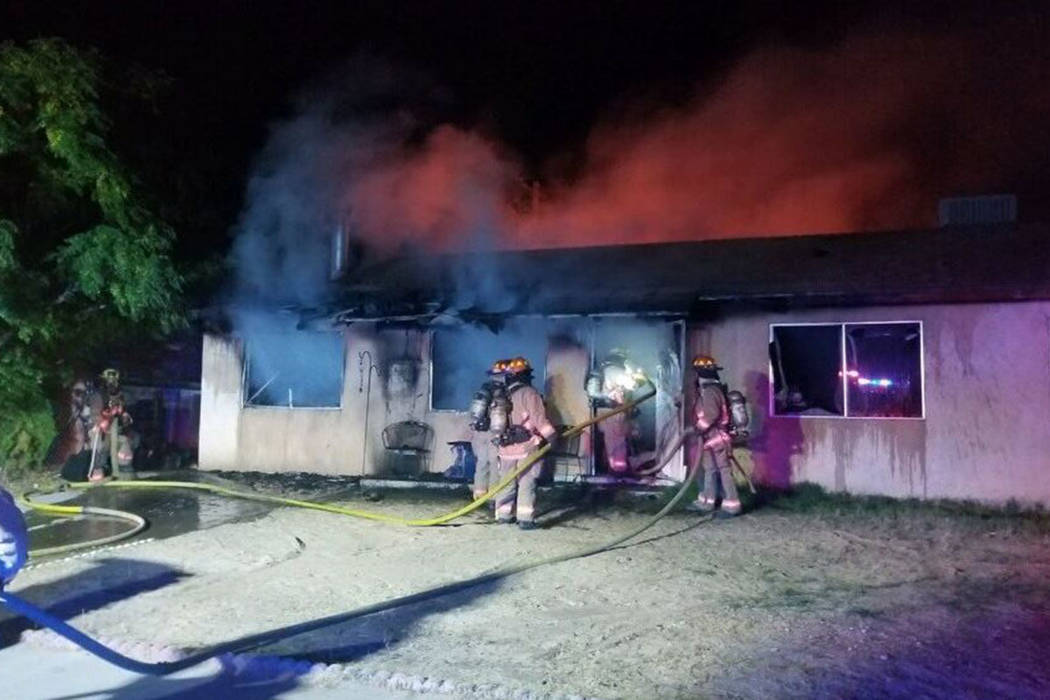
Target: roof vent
{"x": 974, "y": 211}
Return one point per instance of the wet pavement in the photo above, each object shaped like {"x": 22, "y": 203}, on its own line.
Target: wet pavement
{"x": 169, "y": 512}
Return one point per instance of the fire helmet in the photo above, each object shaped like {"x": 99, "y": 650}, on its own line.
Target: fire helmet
{"x": 518, "y": 368}
{"x": 705, "y": 363}
{"x": 498, "y": 367}
{"x": 111, "y": 376}
{"x": 616, "y": 356}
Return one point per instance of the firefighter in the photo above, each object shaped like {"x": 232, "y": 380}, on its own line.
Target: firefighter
{"x": 77, "y": 462}
{"x": 13, "y": 538}
{"x": 610, "y": 387}
{"x": 111, "y": 420}
{"x": 527, "y": 428}
{"x": 80, "y": 415}
{"x": 712, "y": 421}
{"x": 484, "y": 450}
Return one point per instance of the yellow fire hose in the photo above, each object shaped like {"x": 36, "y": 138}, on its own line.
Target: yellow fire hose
{"x": 254, "y": 641}
{"x": 279, "y": 500}
{"x": 138, "y": 524}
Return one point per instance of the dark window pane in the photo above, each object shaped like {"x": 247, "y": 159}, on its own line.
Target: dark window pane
{"x": 884, "y": 370}
{"x": 299, "y": 369}
{"x": 807, "y": 365}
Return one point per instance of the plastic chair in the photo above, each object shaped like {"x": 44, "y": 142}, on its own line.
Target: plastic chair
{"x": 408, "y": 447}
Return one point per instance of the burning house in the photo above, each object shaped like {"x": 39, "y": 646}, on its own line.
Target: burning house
{"x": 907, "y": 364}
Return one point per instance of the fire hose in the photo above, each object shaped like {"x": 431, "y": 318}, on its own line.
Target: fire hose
{"x": 254, "y": 641}
{"x": 527, "y": 463}
{"x": 138, "y": 524}
{"x": 678, "y": 443}
{"x": 278, "y": 500}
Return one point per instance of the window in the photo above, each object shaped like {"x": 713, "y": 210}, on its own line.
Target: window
{"x": 851, "y": 370}
{"x": 296, "y": 369}
{"x": 461, "y": 356}
{"x": 806, "y": 370}
{"x": 884, "y": 370}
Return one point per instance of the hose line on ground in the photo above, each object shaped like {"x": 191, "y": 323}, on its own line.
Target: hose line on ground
{"x": 668, "y": 453}
{"x": 370, "y": 515}
{"x": 254, "y": 641}
{"x": 684, "y": 435}
{"x": 138, "y": 524}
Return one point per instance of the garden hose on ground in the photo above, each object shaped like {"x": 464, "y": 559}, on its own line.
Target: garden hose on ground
{"x": 370, "y": 515}
{"x": 254, "y": 641}
{"x": 138, "y": 524}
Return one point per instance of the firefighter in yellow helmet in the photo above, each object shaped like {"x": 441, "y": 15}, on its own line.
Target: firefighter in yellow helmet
{"x": 711, "y": 419}
{"x": 109, "y": 438}
{"x": 521, "y": 426}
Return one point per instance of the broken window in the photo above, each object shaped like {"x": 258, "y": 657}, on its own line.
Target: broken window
{"x": 884, "y": 370}
{"x": 296, "y": 369}
{"x": 852, "y": 370}
{"x": 806, "y": 362}
{"x": 462, "y": 355}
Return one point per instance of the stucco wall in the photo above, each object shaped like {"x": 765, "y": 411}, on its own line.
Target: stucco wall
{"x": 275, "y": 438}
{"x": 336, "y": 440}
{"x": 986, "y": 434}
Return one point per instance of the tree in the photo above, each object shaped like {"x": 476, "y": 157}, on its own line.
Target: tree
{"x": 83, "y": 259}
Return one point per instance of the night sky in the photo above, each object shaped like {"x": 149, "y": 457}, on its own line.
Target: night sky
{"x": 537, "y": 75}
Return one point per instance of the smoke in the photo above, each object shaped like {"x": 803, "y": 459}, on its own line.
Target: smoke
{"x": 445, "y": 193}
{"x": 287, "y": 366}
{"x": 865, "y": 135}
{"x": 465, "y": 353}
{"x": 294, "y": 205}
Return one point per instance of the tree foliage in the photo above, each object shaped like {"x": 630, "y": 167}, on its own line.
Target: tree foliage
{"x": 83, "y": 259}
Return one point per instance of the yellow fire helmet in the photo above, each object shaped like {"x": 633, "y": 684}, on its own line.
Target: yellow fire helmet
{"x": 705, "y": 362}
{"x": 517, "y": 365}
{"x": 111, "y": 375}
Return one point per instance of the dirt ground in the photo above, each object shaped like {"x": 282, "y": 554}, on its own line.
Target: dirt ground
{"x": 813, "y": 596}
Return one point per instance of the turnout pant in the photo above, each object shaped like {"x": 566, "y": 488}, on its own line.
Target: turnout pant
{"x": 519, "y": 498}
{"x": 714, "y": 457}
{"x": 615, "y": 433}
{"x": 485, "y": 466}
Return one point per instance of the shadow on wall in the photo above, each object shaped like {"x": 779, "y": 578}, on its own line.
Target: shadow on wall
{"x": 774, "y": 440}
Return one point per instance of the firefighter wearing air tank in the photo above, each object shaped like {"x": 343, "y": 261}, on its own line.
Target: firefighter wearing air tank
{"x": 610, "y": 386}
{"x": 109, "y": 437}
{"x": 711, "y": 416}
{"x": 484, "y": 449}
{"x": 518, "y": 419}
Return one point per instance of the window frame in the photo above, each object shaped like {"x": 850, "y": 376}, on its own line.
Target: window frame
{"x": 430, "y": 379}
{"x": 842, "y": 368}
{"x": 245, "y": 378}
